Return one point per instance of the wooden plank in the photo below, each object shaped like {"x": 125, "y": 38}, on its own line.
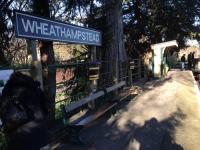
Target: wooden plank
{"x": 116, "y": 86}
{"x": 94, "y": 68}
{"x": 92, "y": 97}
{"x": 96, "y": 115}
{"x": 80, "y": 103}
{"x": 124, "y": 97}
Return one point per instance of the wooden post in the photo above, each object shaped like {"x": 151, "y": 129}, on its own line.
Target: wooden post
{"x": 130, "y": 76}
{"x": 117, "y": 68}
{"x": 93, "y": 84}
{"x": 36, "y": 67}
{"x": 139, "y": 69}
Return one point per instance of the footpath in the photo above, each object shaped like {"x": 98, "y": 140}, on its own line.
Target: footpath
{"x": 166, "y": 116}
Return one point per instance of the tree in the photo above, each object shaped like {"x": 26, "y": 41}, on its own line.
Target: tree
{"x": 153, "y": 21}
{"x": 5, "y": 35}
{"x": 136, "y": 27}
{"x": 8, "y": 45}
{"x": 114, "y": 51}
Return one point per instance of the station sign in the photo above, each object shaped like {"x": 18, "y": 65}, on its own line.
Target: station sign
{"x": 34, "y": 27}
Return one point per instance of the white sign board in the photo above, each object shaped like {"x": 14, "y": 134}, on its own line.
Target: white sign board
{"x": 4, "y": 77}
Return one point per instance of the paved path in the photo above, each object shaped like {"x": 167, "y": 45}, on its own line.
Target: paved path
{"x": 166, "y": 116}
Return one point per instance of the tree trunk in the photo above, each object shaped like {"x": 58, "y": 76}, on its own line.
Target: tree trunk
{"x": 47, "y": 58}
{"x": 115, "y": 51}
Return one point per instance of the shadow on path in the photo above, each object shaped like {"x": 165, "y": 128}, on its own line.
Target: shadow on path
{"x": 153, "y": 135}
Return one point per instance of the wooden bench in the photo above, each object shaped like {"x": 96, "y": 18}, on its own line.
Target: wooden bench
{"x": 73, "y": 127}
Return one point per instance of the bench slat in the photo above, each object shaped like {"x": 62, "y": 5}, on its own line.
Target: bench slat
{"x": 96, "y": 115}
{"x": 116, "y": 86}
{"x": 80, "y": 103}
{"x": 92, "y": 97}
